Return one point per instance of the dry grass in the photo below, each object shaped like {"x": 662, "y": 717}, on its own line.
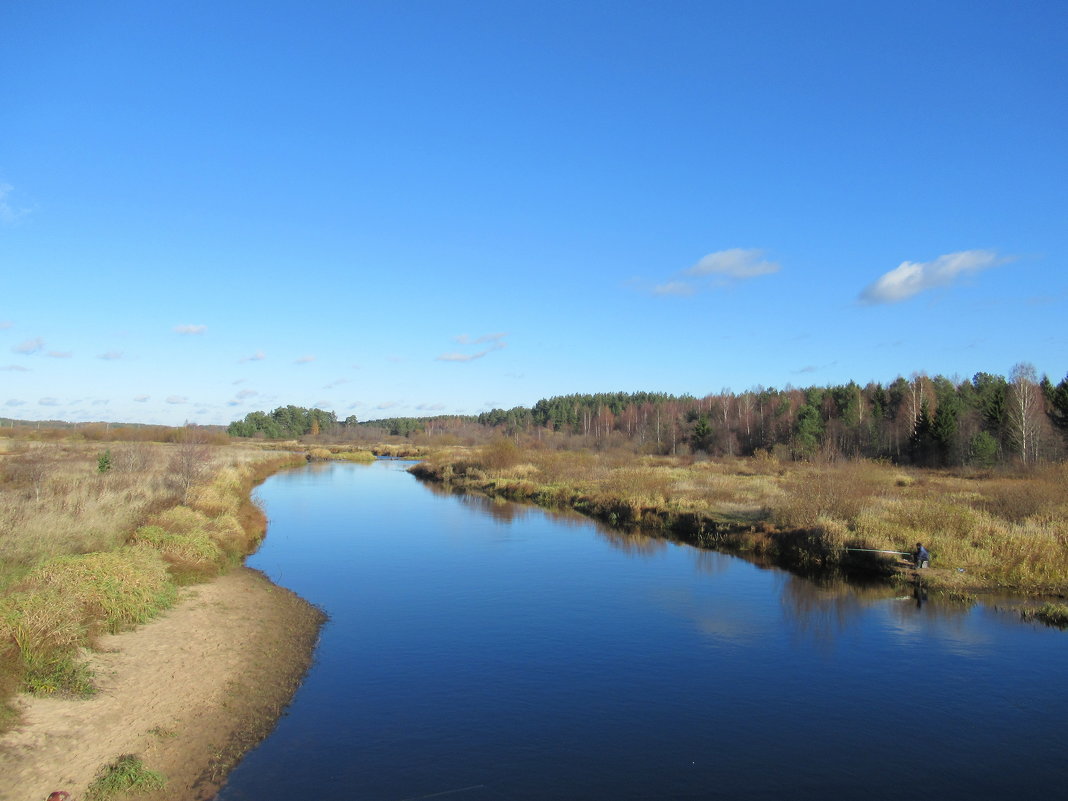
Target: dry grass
{"x": 84, "y": 551}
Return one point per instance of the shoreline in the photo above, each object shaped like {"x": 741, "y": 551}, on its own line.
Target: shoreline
{"x": 191, "y": 692}
{"x": 804, "y": 551}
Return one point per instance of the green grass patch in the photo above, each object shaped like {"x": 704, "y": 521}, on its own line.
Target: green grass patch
{"x": 126, "y": 775}
{"x": 59, "y": 674}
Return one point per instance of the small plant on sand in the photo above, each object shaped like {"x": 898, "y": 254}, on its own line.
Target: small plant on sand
{"x": 127, "y": 774}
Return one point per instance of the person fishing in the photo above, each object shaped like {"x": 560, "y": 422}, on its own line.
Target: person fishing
{"x": 923, "y": 557}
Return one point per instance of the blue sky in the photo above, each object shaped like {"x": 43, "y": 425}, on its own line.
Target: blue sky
{"x": 414, "y": 208}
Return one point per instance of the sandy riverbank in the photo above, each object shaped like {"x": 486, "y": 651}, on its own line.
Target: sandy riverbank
{"x": 190, "y": 693}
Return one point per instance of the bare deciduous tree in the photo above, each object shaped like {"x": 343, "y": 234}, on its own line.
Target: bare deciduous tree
{"x": 191, "y": 458}
{"x": 1025, "y": 409}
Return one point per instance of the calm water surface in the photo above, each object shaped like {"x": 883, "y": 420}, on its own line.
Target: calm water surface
{"x": 480, "y": 651}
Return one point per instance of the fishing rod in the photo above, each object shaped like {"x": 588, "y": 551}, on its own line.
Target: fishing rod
{"x": 876, "y": 550}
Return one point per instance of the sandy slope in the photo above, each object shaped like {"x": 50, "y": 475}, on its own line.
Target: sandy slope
{"x": 189, "y": 692}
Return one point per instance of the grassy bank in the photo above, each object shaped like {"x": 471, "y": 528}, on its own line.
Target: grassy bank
{"x": 986, "y": 531}
{"x": 96, "y": 537}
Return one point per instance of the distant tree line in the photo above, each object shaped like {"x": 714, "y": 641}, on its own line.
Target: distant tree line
{"x": 926, "y": 421}
{"x": 291, "y": 422}
{"x": 923, "y": 420}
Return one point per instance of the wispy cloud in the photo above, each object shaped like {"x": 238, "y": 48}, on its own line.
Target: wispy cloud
{"x": 431, "y": 407}
{"x": 190, "y": 329}
{"x": 466, "y": 339}
{"x": 913, "y": 277}
{"x": 29, "y": 346}
{"x": 9, "y": 214}
{"x": 495, "y": 341}
{"x": 734, "y": 263}
{"x": 142, "y": 398}
{"x": 305, "y": 360}
{"x": 674, "y": 288}
{"x": 6, "y": 324}
{"x": 16, "y": 368}
{"x": 177, "y": 399}
{"x": 111, "y": 355}
{"x": 59, "y": 354}
{"x": 388, "y": 405}
{"x": 336, "y": 383}
{"x": 814, "y": 368}
{"x": 258, "y": 356}
{"x": 14, "y": 402}
{"x": 717, "y": 269}
{"x": 246, "y": 393}
{"x": 48, "y": 402}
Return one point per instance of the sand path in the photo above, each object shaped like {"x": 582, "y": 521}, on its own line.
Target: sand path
{"x": 189, "y": 692}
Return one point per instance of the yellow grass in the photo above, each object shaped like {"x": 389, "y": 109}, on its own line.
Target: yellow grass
{"x": 84, "y": 551}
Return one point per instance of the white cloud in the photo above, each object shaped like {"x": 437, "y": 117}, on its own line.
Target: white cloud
{"x": 496, "y": 340}
{"x": 177, "y": 399}
{"x": 246, "y": 393}
{"x": 48, "y": 402}
{"x": 336, "y": 383}
{"x": 190, "y": 329}
{"x": 258, "y": 356}
{"x": 910, "y": 277}
{"x": 111, "y": 355}
{"x": 15, "y": 403}
{"x": 18, "y": 368}
{"x": 305, "y": 360}
{"x": 388, "y": 405}
{"x": 6, "y": 324}
{"x": 734, "y": 263}
{"x": 59, "y": 354}
{"x": 431, "y": 407}
{"x": 142, "y": 398}
{"x": 674, "y": 288}
{"x": 29, "y": 346}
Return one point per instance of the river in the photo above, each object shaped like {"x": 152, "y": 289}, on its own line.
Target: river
{"x": 479, "y": 650}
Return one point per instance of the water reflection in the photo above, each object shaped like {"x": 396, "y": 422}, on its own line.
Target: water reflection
{"x": 632, "y": 542}
{"x": 711, "y": 563}
{"x": 823, "y": 611}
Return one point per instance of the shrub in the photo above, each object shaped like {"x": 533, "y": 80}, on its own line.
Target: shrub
{"x": 500, "y": 454}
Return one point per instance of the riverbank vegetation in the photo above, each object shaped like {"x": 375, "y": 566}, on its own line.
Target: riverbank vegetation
{"x": 986, "y": 530}
{"x": 96, "y": 536}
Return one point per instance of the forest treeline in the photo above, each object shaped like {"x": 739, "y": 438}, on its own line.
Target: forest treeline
{"x": 925, "y": 421}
